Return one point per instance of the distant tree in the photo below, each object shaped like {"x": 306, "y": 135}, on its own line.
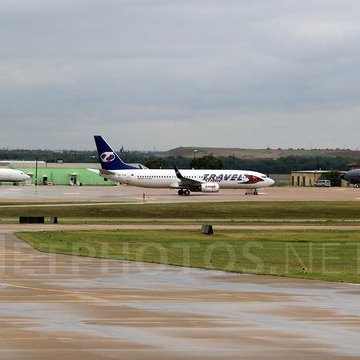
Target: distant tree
{"x": 180, "y": 161}
{"x": 333, "y": 176}
{"x": 156, "y": 163}
{"x": 207, "y": 162}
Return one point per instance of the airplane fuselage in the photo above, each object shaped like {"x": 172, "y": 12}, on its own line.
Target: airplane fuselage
{"x": 353, "y": 177}
{"x": 226, "y": 179}
{"x": 12, "y": 175}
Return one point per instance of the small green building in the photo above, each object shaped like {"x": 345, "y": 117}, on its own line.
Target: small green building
{"x": 62, "y": 174}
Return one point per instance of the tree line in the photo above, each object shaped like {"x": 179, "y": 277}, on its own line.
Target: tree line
{"x": 282, "y": 165}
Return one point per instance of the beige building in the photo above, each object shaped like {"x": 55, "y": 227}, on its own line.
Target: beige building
{"x": 309, "y": 177}
{"x": 306, "y": 177}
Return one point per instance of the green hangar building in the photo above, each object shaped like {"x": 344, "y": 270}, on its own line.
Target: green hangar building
{"x": 71, "y": 174}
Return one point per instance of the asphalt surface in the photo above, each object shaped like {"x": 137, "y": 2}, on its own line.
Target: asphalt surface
{"x": 129, "y": 194}
{"x": 57, "y": 306}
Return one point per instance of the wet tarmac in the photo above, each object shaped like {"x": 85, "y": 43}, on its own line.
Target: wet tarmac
{"x": 56, "y": 307}
{"x": 130, "y": 194}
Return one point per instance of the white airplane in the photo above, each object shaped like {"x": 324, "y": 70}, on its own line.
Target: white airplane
{"x": 12, "y": 175}
{"x": 185, "y": 181}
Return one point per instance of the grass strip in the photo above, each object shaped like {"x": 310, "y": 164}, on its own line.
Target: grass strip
{"x": 199, "y": 222}
{"x": 319, "y": 255}
{"x": 321, "y": 210}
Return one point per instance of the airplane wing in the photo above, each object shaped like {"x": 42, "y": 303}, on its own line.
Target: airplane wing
{"x": 185, "y": 185}
{"x": 184, "y": 181}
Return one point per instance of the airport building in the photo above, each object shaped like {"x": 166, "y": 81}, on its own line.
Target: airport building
{"x": 72, "y": 174}
{"x": 305, "y": 178}
{"x": 309, "y": 177}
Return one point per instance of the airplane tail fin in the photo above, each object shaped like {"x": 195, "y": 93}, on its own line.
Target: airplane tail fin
{"x": 108, "y": 158}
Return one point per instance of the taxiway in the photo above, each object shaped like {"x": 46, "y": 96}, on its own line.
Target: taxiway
{"x": 129, "y": 194}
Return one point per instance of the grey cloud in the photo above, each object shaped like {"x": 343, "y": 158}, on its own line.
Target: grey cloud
{"x": 185, "y": 65}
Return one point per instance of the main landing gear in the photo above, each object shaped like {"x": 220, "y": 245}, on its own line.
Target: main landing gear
{"x": 252, "y": 192}
{"x": 184, "y": 192}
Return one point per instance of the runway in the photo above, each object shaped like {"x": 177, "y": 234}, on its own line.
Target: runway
{"x": 56, "y": 307}
{"x": 130, "y": 194}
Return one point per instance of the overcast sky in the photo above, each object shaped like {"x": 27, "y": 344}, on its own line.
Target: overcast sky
{"x": 157, "y": 74}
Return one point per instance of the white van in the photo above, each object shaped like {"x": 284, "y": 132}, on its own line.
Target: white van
{"x": 323, "y": 183}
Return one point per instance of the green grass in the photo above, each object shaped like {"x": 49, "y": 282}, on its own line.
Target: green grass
{"x": 232, "y": 210}
{"x": 321, "y": 255}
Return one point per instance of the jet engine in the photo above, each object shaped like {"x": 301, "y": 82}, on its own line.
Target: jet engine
{"x": 210, "y": 187}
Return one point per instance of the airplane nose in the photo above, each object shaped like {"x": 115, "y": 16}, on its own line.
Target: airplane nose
{"x": 271, "y": 182}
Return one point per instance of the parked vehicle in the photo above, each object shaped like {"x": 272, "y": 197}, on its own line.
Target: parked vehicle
{"x": 323, "y": 183}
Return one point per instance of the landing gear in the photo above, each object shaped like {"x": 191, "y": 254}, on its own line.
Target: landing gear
{"x": 184, "y": 192}
{"x": 252, "y": 192}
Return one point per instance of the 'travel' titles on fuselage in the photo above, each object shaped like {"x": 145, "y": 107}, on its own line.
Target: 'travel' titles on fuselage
{"x": 242, "y": 178}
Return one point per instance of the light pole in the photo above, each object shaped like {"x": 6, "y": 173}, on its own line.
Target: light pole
{"x": 36, "y": 171}
{"x": 195, "y": 151}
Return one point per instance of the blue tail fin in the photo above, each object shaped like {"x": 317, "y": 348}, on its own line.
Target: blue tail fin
{"x": 109, "y": 160}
